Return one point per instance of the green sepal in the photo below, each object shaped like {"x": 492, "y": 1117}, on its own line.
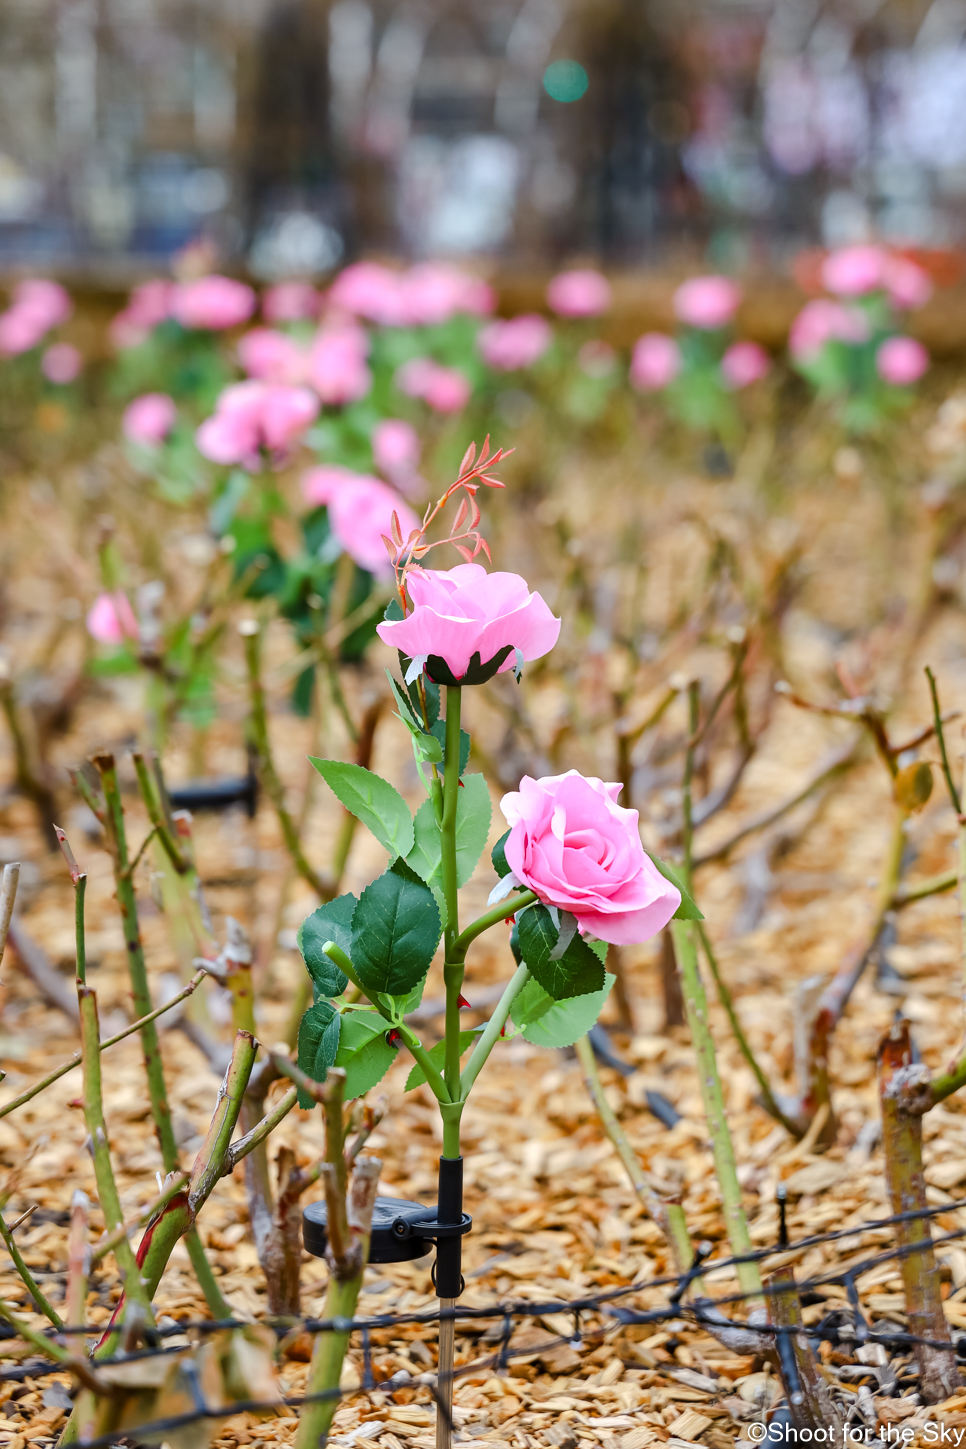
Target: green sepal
{"x": 364, "y": 1053}
{"x": 331, "y": 922}
{"x": 577, "y": 972}
{"x": 318, "y": 1044}
{"x": 437, "y": 1056}
{"x": 687, "y": 910}
{"x": 549, "y": 1023}
{"x": 427, "y": 747}
{"x": 395, "y": 931}
{"x": 372, "y": 800}
{"x": 476, "y": 672}
{"x": 498, "y": 856}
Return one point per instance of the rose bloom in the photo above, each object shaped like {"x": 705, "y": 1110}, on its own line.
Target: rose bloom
{"x": 433, "y": 292}
{"x": 743, "y": 364}
{"x": 20, "y": 331}
{"x": 395, "y": 447}
{"x": 371, "y": 291}
{"x": 337, "y": 365}
{"x": 271, "y": 356}
{"x": 37, "y": 306}
{"x": 148, "y": 305}
{"x": 444, "y": 388}
{"x": 253, "y": 415}
{"x": 707, "y": 302}
{"x": 901, "y": 361}
{"x": 360, "y": 512}
{"x": 655, "y": 362}
{"x": 148, "y": 420}
{"x": 213, "y": 303}
{"x": 460, "y": 612}
{"x": 61, "y": 363}
{"x": 823, "y": 321}
{"x": 291, "y": 302}
{"x": 577, "y": 849}
{"x": 854, "y": 271}
{"x": 111, "y": 619}
{"x": 908, "y": 285}
{"x": 519, "y": 342}
{"x": 582, "y": 293}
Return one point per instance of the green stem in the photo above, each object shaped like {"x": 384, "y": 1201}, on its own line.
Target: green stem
{"x": 492, "y": 917}
{"x": 75, "y": 1060}
{"x": 491, "y": 1033}
{"x": 696, "y": 1007}
{"x": 727, "y": 1001}
{"x": 262, "y": 1130}
{"x": 208, "y": 1283}
{"x": 421, "y": 1056}
{"x": 941, "y": 740}
{"x": 258, "y": 724}
{"x": 80, "y": 933}
{"x": 106, "y": 1245}
{"x": 36, "y": 1293}
{"x": 694, "y": 694}
{"x": 933, "y": 885}
{"x": 127, "y": 902}
{"x": 453, "y": 969}
{"x": 325, "y": 1372}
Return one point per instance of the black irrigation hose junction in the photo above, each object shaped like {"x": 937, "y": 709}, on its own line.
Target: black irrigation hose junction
{"x": 831, "y": 1329}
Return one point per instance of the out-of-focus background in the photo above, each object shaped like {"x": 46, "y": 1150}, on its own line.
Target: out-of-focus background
{"x": 294, "y": 134}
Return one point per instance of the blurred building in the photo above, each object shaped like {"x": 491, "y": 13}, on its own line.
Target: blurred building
{"x": 293, "y": 133}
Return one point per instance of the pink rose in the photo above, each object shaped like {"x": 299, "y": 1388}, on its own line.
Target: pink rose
{"x": 519, "y": 342}
{"x": 655, "y": 362}
{"x": 20, "y": 331}
{"x": 271, "y": 356}
{"x": 111, "y": 619}
{"x": 360, "y": 512}
{"x": 291, "y": 302}
{"x": 582, "y": 293}
{"x": 463, "y": 617}
{"x": 901, "y": 361}
{"x": 577, "y": 849}
{"x": 854, "y": 271}
{"x": 148, "y": 305}
{"x": 908, "y": 285}
{"x": 444, "y": 388}
{"x": 337, "y": 365}
{"x": 47, "y": 301}
{"x": 149, "y": 419}
{"x": 744, "y": 363}
{"x": 251, "y": 416}
{"x": 395, "y": 447}
{"x": 433, "y": 292}
{"x": 707, "y": 302}
{"x": 61, "y": 363}
{"x": 371, "y": 291}
{"x": 823, "y": 321}
{"x": 213, "y": 303}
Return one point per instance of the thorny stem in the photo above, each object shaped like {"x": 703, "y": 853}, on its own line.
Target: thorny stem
{"x": 127, "y": 902}
{"x": 453, "y": 969}
{"x": 258, "y": 724}
{"x": 33, "y": 1288}
{"x": 655, "y": 1206}
{"x": 696, "y": 1006}
{"x": 180, "y": 862}
{"x": 941, "y": 741}
{"x": 727, "y": 1001}
{"x": 75, "y": 1060}
{"x": 217, "y": 1302}
{"x": 124, "y": 1230}
{"x": 492, "y": 917}
{"x": 493, "y": 1030}
{"x": 687, "y": 828}
{"x": 262, "y": 1130}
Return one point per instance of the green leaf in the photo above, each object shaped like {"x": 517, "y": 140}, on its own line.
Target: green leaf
{"x": 406, "y": 705}
{"x": 473, "y": 811}
{"x": 687, "y": 910}
{"x": 364, "y": 1052}
{"x": 318, "y": 1044}
{"x": 437, "y": 1056}
{"x": 331, "y": 922}
{"x": 498, "y": 856}
{"x": 395, "y": 931}
{"x": 549, "y": 1023}
{"x": 579, "y": 970}
{"x": 439, "y": 730}
{"x": 372, "y": 800}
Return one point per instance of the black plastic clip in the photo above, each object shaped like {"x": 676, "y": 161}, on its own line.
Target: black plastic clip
{"x": 431, "y": 1229}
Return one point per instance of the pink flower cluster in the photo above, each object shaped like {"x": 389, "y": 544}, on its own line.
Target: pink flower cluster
{"x": 360, "y": 511}
{"x": 425, "y": 295}
{"x": 208, "y": 304}
{"x": 334, "y": 365}
{"x": 37, "y": 306}
{"x": 111, "y": 620}
{"x": 708, "y": 303}
{"x": 822, "y": 321}
{"x": 507, "y": 346}
{"x": 61, "y": 363}
{"x": 580, "y": 293}
{"x": 252, "y": 416}
{"x": 444, "y": 389}
{"x": 291, "y": 302}
{"x": 148, "y": 420}
{"x": 858, "y": 270}
{"x": 396, "y": 450}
